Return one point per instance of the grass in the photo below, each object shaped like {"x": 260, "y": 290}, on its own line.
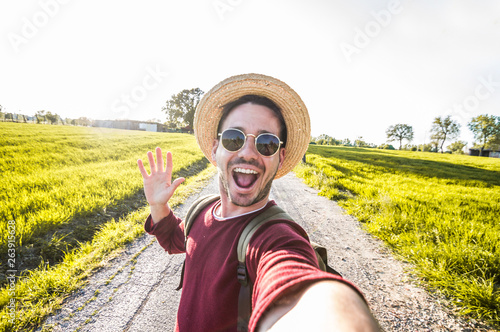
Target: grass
{"x": 42, "y": 291}
{"x": 439, "y": 212}
{"x": 57, "y": 178}
{"x": 76, "y": 197}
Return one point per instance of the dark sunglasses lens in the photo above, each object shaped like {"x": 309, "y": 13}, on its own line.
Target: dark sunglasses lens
{"x": 232, "y": 140}
{"x": 267, "y": 144}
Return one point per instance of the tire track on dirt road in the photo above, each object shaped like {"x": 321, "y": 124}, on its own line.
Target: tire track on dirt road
{"x": 136, "y": 291}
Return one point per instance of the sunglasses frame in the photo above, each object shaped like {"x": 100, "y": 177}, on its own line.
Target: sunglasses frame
{"x": 245, "y": 141}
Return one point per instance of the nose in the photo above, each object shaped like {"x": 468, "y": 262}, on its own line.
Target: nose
{"x": 249, "y": 150}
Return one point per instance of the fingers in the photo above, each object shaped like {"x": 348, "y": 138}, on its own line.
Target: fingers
{"x": 177, "y": 183}
{"x": 151, "y": 162}
{"x": 169, "y": 165}
{"x": 142, "y": 169}
{"x": 158, "y": 166}
{"x": 159, "y": 160}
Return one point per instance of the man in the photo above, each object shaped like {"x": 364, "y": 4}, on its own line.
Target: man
{"x": 254, "y": 128}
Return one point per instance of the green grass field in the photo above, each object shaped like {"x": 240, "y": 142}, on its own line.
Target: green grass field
{"x": 75, "y": 196}
{"x": 54, "y": 174}
{"x": 440, "y": 212}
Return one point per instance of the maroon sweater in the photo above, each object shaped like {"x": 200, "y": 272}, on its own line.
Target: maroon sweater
{"x": 278, "y": 258}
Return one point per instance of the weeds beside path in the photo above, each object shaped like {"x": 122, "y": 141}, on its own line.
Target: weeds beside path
{"x": 439, "y": 212}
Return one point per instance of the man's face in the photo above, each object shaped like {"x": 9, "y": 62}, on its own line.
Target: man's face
{"x": 245, "y": 176}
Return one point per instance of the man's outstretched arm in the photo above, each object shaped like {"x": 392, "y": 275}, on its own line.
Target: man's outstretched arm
{"x": 322, "y": 306}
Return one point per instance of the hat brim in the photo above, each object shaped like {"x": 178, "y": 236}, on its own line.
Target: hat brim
{"x": 209, "y": 111}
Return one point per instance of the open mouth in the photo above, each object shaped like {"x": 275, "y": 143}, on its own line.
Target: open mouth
{"x": 244, "y": 178}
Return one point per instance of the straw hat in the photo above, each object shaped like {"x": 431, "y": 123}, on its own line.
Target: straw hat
{"x": 209, "y": 111}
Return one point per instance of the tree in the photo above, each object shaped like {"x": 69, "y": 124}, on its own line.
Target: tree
{"x": 346, "y": 142}
{"x": 410, "y": 147}
{"x": 83, "y": 121}
{"x": 486, "y": 129}
{"x": 457, "y": 147}
{"x": 324, "y": 139}
{"x": 425, "y": 147}
{"x": 444, "y": 129}
{"x": 360, "y": 142}
{"x": 321, "y": 141}
{"x": 399, "y": 132}
{"x": 386, "y": 147}
{"x": 434, "y": 145}
{"x": 53, "y": 118}
{"x": 180, "y": 108}
{"x": 40, "y": 115}
{"x": 323, "y": 136}
{"x": 333, "y": 141}
{"x": 21, "y": 117}
{"x": 171, "y": 125}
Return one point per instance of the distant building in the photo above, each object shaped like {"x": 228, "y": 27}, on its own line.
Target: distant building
{"x": 131, "y": 125}
{"x": 485, "y": 153}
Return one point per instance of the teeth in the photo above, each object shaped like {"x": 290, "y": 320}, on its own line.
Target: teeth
{"x": 246, "y": 171}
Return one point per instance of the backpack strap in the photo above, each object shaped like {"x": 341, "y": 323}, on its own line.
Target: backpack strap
{"x": 194, "y": 210}
{"x": 244, "y": 298}
{"x": 321, "y": 255}
{"x": 272, "y": 213}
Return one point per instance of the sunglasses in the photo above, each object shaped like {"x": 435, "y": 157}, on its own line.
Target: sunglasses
{"x": 233, "y": 140}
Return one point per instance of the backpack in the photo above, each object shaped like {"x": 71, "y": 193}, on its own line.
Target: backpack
{"x": 272, "y": 213}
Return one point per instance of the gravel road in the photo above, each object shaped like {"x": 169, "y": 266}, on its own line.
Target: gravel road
{"x": 136, "y": 291}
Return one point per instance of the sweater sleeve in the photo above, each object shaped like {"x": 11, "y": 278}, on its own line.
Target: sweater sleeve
{"x": 281, "y": 260}
{"x": 169, "y": 232}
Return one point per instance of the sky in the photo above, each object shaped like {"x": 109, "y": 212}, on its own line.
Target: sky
{"x": 360, "y": 66}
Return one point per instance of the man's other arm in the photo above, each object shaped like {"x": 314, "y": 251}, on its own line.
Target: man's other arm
{"x": 322, "y": 306}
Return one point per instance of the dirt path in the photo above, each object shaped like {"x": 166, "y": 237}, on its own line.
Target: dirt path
{"x": 136, "y": 291}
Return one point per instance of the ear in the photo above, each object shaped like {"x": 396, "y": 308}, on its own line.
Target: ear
{"x": 282, "y": 155}
{"x": 215, "y": 145}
